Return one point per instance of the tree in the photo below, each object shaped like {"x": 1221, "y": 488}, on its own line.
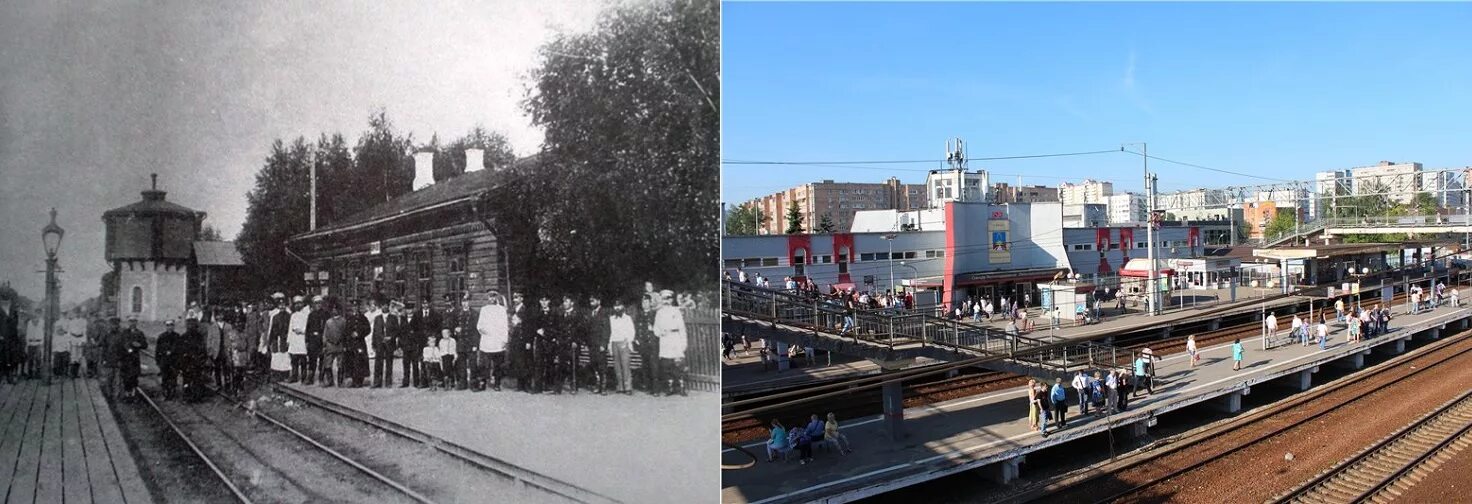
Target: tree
{"x": 794, "y": 218}
{"x": 209, "y": 233}
{"x": 336, "y": 197}
{"x": 743, "y": 220}
{"x": 630, "y": 113}
{"x": 1424, "y": 204}
{"x": 276, "y": 209}
{"x": 825, "y": 225}
{"x": 449, "y": 160}
{"x": 1281, "y": 224}
{"x": 383, "y": 170}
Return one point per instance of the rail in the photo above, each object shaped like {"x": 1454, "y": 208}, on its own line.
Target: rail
{"x": 888, "y": 329}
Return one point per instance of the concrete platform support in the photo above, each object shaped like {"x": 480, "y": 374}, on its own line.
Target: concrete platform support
{"x": 1355, "y": 361}
{"x": 1214, "y": 324}
{"x": 894, "y": 410}
{"x": 1301, "y": 380}
{"x": 1141, "y": 428}
{"x": 1230, "y": 403}
{"x": 1396, "y": 347}
{"x": 1006, "y": 471}
{"x": 783, "y": 363}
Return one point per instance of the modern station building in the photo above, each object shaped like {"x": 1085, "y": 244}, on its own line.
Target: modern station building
{"x": 979, "y": 250}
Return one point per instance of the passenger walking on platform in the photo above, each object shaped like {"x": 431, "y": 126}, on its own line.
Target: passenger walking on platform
{"x": 834, "y": 437}
{"x": 1323, "y": 332}
{"x": 1270, "y": 323}
{"x": 1415, "y": 300}
{"x": 1298, "y": 331}
{"x": 1456, "y": 298}
{"x": 1055, "y": 314}
{"x": 1339, "y": 309}
{"x": 1142, "y": 378}
{"x": 1126, "y": 386}
{"x": 1081, "y": 387}
{"x": 1059, "y": 398}
{"x": 778, "y": 443}
{"x": 1237, "y": 354}
{"x": 1191, "y": 347}
{"x": 1353, "y": 331}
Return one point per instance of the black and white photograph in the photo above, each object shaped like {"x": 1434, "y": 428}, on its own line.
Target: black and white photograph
{"x": 286, "y": 251}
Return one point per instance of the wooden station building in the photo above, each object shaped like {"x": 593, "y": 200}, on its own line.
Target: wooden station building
{"x": 429, "y": 243}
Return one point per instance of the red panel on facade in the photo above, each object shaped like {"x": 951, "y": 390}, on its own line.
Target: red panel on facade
{"x": 1101, "y": 242}
{"x": 800, "y": 242}
{"x": 841, "y": 242}
{"x": 1193, "y": 237}
{"x": 1126, "y": 242}
{"x": 948, "y": 279}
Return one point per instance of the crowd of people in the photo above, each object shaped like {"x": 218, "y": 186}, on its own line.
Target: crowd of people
{"x": 329, "y": 341}
{"x": 541, "y": 346}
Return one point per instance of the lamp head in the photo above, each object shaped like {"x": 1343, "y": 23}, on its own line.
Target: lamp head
{"x": 51, "y": 235}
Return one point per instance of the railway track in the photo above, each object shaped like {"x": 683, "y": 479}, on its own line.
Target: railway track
{"x": 1386, "y": 469}
{"x": 1171, "y": 461}
{"x": 250, "y": 457}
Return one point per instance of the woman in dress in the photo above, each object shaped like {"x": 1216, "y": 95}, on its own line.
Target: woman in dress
{"x": 1191, "y": 349}
{"x": 1237, "y": 354}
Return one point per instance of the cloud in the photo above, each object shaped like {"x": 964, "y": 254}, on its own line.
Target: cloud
{"x": 1131, "y": 87}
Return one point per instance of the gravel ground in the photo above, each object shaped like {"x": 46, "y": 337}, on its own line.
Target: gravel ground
{"x": 1259, "y": 472}
{"x": 435, "y": 474}
{"x": 1445, "y": 484}
{"x": 631, "y": 448}
{"x": 173, "y": 472}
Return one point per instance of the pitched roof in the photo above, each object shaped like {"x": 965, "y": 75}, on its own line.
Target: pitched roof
{"x": 463, "y": 186}
{"x": 217, "y": 253}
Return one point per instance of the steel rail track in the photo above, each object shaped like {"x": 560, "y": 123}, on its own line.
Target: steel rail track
{"x": 1395, "y": 462}
{"x": 521, "y": 475}
{"x": 239, "y": 494}
{"x": 1294, "y": 402}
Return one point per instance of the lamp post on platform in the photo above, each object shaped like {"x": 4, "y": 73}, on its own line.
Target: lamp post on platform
{"x": 51, "y": 238}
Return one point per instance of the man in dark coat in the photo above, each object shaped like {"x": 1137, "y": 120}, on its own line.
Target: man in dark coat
{"x": 356, "y": 348}
{"x": 126, "y": 347}
{"x": 467, "y": 341}
{"x": 10, "y": 342}
{"x": 575, "y": 338}
{"x": 315, "y": 323}
{"x": 519, "y": 348}
{"x": 598, "y": 335}
{"x": 423, "y": 322}
{"x": 191, "y": 358}
{"x": 166, "y": 356}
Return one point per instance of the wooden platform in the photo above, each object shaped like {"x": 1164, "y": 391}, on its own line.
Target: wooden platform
{"x": 61, "y": 443}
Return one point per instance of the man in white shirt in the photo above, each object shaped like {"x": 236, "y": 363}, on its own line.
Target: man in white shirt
{"x": 1080, "y": 385}
{"x": 296, "y": 339}
{"x": 76, "y": 331}
{"x": 495, "y": 333}
{"x": 620, "y": 345}
{"x": 1298, "y": 331}
{"x": 669, "y": 327}
{"x": 1271, "y": 323}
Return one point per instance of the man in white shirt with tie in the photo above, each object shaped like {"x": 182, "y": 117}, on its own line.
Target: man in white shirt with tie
{"x": 495, "y": 333}
{"x": 669, "y": 327}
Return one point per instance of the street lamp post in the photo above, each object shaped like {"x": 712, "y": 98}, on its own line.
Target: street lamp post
{"x": 51, "y": 239}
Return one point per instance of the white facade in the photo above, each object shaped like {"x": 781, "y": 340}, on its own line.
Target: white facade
{"x": 1446, "y": 186}
{"x": 1328, "y": 186}
{"x": 151, "y": 291}
{"x": 1398, "y": 181}
{"x": 955, "y": 185}
{"x": 1126, "y": 207}
{"x": 1085, "y": 215}
{"x": 1086, "y": 192}
{"x": 890, "y": 221}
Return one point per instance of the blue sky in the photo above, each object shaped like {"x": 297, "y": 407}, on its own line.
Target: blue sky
{"x": 1276, "y": 90}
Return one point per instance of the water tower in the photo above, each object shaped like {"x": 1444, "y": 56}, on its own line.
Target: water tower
{"x": 150, "y": 245}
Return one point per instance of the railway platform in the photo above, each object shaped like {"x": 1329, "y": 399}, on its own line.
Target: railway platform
{"x": 991, "y": 433}
{"x": 61, "y": 443}
{"x": 573, "y": 441}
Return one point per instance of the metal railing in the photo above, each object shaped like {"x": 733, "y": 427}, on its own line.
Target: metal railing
{"x": 891, "y": 328}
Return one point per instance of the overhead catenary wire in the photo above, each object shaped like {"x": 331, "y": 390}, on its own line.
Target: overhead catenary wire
{"x": 910, "y": 161}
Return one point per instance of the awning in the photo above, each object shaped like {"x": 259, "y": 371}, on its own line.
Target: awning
{"x": 1140, "y": 268}
{"x": 991, "y": 277}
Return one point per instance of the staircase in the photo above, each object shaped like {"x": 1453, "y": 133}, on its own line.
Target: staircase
{"x": 819, "y": 321}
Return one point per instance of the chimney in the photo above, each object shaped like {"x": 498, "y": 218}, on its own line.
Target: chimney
{"x": 475, "y": 159}
{"x": 423, "y": 169}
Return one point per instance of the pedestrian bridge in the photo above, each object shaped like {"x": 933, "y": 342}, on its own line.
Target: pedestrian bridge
{"x": 1415, "y": 224}
{"x": 898, "y": 336}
